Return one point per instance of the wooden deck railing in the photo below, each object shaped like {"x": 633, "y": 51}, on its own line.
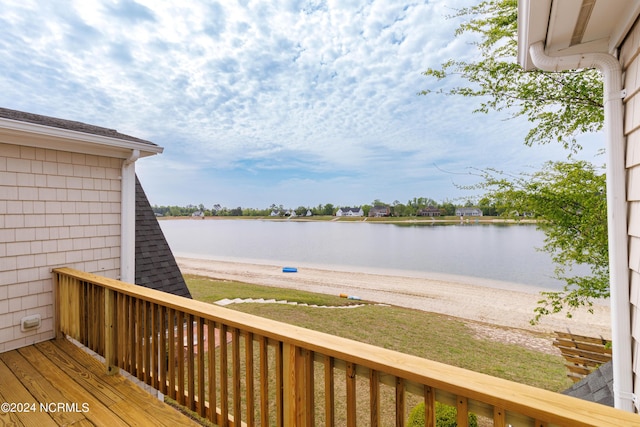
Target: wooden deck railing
{"x": 238, "y": 369}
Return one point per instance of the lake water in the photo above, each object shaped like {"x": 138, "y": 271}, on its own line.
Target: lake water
{"x": 506, "y": 253}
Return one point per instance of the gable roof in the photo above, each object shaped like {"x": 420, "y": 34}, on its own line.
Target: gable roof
{"x": 156, "y": 267}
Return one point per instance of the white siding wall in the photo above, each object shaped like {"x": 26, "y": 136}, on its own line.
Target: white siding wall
{"x": 56, "y": 209}
{"x": 631, "y": 66}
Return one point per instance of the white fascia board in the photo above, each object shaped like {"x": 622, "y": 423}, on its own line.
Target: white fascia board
{"x": 533, "y": 23}
{"x": 34, "y": 135}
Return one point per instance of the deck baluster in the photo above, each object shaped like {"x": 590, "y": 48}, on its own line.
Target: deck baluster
{"x": 351, "y": 394}
{"x": 249, "y": 360}
{"x": 224, "y": 375}
{"x": 264, "y": 381}
{"x": 463, "y": 411}
{"x": 180, "y": 356}
{"x": 171, "y": 334}
{"x": 374, "y": 397}
{"x": 235, "y": 377}
{"x": 202, "y": 349}
{"x": 329, "y": 392}
{"x": 190, "y": 361}
{"x": 429, "y": 407}
{"x": 211, "y": 371}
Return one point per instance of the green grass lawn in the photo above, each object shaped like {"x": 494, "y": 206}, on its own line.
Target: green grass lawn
{"x": 432, "y": 336}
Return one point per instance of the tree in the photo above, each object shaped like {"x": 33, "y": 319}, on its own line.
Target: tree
{"x": 236, "y": 212}
{"x": 569, "y": 201}
{"x": 488, "y": 206}
{"x": 560, "y": 106}
{"x": 448, "y": 208}
{"x": 328, "y": 209}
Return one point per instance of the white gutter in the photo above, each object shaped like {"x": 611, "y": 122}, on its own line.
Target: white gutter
{"x": 71, "y": 140}
{"x": 611, "y": 70}
{"x": 128, "y": 219}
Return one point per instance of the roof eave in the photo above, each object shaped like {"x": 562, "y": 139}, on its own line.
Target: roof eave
{"x": 533, "y": 21}
{"x": 544, "y": 20}
{"x": 35, "y": 135}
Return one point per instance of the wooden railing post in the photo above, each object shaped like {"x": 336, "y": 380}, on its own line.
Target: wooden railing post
{"x": 351, "y": 394}
{"x": 295, "y": 371}
{"x": 109, "y": 332}
{"x": 57, "y": 292}
{"x": 429, "y": 406}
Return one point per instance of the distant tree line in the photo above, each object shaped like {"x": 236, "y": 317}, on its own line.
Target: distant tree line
{"x": 397, "y": 209}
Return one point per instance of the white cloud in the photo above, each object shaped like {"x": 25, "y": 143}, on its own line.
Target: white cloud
{"x": 316, "y": 95}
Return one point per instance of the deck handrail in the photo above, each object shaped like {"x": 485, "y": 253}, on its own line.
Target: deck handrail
{"x": 128, "y": 324}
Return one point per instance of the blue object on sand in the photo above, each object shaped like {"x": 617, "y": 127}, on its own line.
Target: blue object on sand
{"x": 289, "y": 270}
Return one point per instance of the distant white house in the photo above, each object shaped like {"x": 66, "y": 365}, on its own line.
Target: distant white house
{"x": 275, "y": 213}
{"x": 468, "y": 212}
{"x": 309, "y": 213}
{"x": 350, "y": 212}
{"x": 198, "y": 214}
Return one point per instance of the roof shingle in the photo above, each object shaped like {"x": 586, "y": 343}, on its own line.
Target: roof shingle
{"x": 68, "y": 125}
{"x": 156, "y": 267}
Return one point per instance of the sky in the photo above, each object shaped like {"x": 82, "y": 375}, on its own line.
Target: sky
{"x": 292, "y": 102}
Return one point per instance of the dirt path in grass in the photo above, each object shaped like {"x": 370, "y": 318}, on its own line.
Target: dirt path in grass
{"x": 504, "y": 313}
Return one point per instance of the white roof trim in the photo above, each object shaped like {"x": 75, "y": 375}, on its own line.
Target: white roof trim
{"x": 533, "y": 21}
{"x": 552, "y": 22}
{"x": 41, "y": 136}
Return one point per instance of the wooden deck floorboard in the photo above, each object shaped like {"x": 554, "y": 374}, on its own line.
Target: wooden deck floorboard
{"x": 57, "y": 372}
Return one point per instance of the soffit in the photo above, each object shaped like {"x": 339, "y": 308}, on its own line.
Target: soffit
{"x": 571, "y": 27}
{"x": 20, "y": 128}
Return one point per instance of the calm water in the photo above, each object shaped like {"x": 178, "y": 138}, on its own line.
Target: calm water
{"x": 496, "y": 252}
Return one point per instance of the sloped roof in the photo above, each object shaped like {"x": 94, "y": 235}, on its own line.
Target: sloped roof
{"x": 595, "y": 387}
{"x": 68, "y": 125}
{"x": 156, "y": 267}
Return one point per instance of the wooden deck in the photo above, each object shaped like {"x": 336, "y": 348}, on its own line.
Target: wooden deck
{"x": 55, "y": 383}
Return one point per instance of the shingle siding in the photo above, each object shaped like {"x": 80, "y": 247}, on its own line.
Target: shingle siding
{"x": 56, "y": 209}
{"x": 629, "y": 56}
{"x": 62, "y": 208}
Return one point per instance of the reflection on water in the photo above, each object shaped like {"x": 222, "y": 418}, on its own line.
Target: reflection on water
{"x": 491, "y": 251}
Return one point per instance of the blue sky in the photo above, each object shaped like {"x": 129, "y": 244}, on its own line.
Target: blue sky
{"x": 258, "y": 102}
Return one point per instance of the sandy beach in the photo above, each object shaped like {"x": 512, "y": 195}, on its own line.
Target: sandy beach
{"x": 467, "y": 298}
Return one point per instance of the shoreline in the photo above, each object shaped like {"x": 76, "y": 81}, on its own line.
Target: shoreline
{"x": 467, "y": 298}
{"x": 444, "y": 220}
